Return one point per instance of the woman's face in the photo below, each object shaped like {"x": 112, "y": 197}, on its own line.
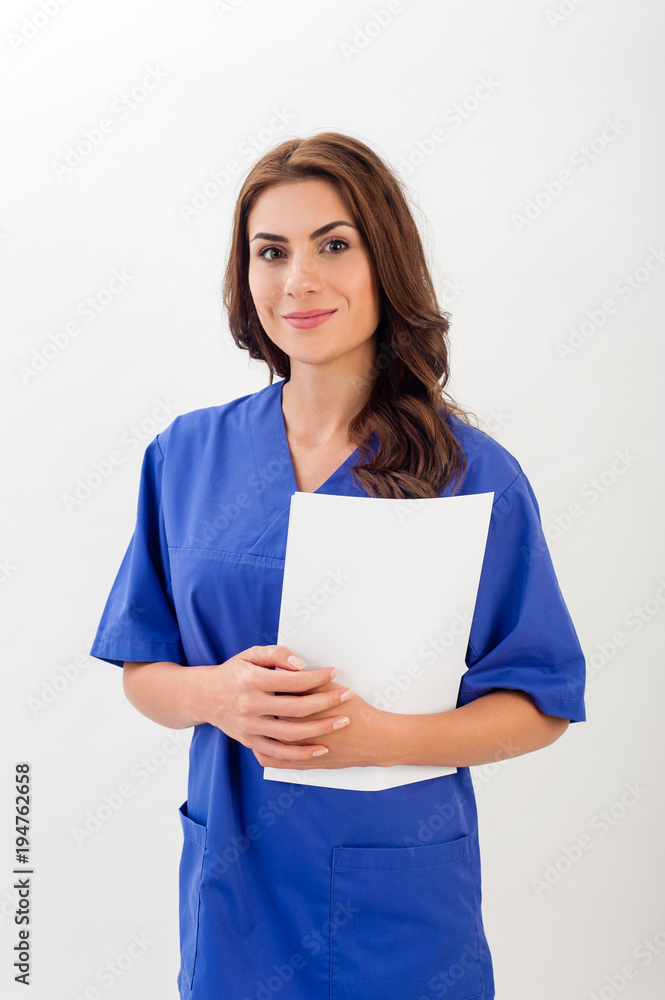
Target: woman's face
{"x": 300, "y": 263}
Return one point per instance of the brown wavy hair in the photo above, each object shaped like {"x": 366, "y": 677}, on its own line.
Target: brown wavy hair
{"x": 417, "y": 454}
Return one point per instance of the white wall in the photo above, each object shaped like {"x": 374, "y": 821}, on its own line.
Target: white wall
{"x": 575, "y": 91}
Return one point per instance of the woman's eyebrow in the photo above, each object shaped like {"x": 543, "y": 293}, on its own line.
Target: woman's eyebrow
{"x": 313, "y": 236}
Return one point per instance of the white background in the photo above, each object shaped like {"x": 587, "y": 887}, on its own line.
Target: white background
{"x": 516, "y": 290}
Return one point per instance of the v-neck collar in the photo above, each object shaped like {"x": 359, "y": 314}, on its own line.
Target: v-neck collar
{"x": 283, "y": 444}
{"x": 273, "y": 480}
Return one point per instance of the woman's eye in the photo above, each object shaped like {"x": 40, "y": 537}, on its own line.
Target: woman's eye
{"x": 266, "y": 250}
{"x": 342, "y": 244}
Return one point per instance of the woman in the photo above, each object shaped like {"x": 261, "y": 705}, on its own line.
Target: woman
{"x": 304, "y": 891}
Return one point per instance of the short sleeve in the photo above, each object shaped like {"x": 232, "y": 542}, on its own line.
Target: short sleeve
{"x": 139, "y": 620}
{"x": 522, "y": 636}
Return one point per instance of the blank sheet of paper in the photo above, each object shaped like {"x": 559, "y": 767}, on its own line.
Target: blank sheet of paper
{"x": 384, "y": 590}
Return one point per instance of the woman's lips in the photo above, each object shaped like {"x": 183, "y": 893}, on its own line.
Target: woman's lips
{"x": 304, "y": 322}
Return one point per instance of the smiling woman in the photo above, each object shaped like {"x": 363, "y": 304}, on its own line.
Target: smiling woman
{"x": 327, "y": 284}
{"x": 323, "y": 224}
{"x": 334, "y": 280}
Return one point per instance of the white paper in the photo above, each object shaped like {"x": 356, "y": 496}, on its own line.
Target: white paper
{"x": 384, "y": 590}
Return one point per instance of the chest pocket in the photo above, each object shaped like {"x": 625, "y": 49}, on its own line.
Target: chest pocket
{"x": 225, "y": 601}
{"x": 404, "y": 923}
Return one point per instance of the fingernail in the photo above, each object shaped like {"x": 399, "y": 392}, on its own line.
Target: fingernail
{"x": 333, "y": 673}
{"x": 295, "y": 661}
{"x": 340, "y": 723}
{"x": 317, "y": 753}
{"x": 346, "y": 695}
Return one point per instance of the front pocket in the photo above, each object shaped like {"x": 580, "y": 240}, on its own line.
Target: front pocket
{"x": 191, "y": 863}
{"x": 404, "y": 923}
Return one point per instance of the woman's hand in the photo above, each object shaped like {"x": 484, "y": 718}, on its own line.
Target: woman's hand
{"x": 364, "y": 742}
{"x": 279, "y": 714}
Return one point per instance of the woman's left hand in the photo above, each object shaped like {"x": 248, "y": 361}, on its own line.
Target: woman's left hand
{"x": 363, "y": 742}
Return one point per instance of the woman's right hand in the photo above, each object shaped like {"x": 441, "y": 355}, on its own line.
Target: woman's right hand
{"x": 243, "y": 699}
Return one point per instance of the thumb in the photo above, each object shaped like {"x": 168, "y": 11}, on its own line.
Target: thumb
{"x": 273, "y": 656}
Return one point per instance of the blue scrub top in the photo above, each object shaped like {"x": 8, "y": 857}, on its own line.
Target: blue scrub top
{"x": 293, "y": 890}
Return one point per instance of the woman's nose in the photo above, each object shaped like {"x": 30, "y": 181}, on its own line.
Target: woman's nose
{"x": 303, "y": 275}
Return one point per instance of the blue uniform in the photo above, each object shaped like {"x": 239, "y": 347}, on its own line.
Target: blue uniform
{"x": 293, "y": 890}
